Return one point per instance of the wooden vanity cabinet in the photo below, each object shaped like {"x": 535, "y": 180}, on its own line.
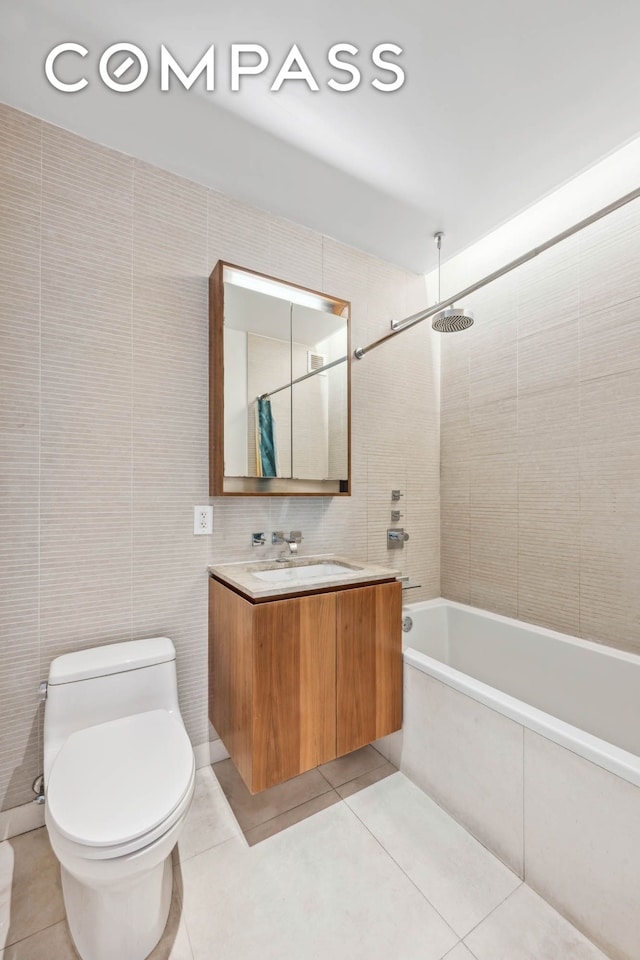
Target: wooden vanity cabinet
{"x": 295, "y": 683}
{"x": 368, "y": 664}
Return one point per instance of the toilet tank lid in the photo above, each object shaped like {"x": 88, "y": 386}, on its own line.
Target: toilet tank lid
{"x": 110, "y": 659}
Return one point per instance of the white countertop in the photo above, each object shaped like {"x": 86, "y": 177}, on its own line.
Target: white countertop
{"x": 241, "y": 577}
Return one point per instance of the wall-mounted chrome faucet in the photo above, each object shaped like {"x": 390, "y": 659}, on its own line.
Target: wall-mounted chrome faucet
{"x": 295, "y": 537}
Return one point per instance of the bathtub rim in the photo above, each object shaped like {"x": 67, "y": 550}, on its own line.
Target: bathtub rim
{"x": 614, "y": 759}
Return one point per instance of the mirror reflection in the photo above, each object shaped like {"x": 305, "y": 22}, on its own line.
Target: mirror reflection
{"x": 286, "y": 387}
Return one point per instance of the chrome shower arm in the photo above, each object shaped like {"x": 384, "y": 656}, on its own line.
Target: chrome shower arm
{"x": 401, "y": 325}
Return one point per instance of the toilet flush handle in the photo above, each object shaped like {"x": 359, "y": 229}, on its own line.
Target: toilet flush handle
{"x": 42, "y": 691}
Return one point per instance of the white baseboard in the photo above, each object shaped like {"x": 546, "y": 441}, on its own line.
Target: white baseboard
{"x": 210, "y": 752}
{"x": 217, "y": 751}
{"x": 391, "y": 747}
{"x": 28, "y": 816}
{"x": 201, "y": 753}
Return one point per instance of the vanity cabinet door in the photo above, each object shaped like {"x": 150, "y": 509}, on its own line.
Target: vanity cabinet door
{"x": 295, "y": 683}
{"x": 294, "y": 693}
{"x": 369, "y": 665}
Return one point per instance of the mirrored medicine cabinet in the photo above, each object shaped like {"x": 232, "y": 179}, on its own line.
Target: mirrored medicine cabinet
{"x": 279, "y": 387}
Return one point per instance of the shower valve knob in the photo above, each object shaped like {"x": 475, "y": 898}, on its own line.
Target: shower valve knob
{"x": 396, "y": 538}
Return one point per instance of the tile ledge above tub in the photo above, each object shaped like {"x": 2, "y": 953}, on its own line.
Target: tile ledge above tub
{"x": 251, "y": 578}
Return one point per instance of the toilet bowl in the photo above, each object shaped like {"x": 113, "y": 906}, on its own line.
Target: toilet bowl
{"x": 118, "y": 787}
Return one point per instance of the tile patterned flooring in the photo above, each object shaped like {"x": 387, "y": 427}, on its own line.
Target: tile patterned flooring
{"x": 368, "y": 866}
{"x": 265, "y": 814}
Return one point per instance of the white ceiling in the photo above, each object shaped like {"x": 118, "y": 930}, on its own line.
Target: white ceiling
{"x": 503, "y": 103}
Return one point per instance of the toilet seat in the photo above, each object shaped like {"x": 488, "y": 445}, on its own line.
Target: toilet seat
{"x": 116, "y": 787}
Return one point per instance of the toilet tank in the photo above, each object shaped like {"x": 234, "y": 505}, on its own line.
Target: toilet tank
{"x": 105, "y": 683}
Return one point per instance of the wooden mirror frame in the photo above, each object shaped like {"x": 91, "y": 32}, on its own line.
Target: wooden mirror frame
{"x": 219, "y": 485}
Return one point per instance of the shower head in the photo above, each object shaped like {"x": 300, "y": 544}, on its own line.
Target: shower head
{"x": 452, "y": 320}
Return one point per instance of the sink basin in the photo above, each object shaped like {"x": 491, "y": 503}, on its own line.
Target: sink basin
{"x": 327, "y": 570}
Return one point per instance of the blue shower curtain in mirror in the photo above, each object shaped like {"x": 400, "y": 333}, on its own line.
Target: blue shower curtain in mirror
{"x": 266, "y": 456}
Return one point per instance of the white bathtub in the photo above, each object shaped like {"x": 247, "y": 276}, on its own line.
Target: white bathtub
{"x": 531, "y": 739}
{"x": 582, "y": 695}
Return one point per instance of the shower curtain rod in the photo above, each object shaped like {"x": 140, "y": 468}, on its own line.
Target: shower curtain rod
{"x": 305, "y": 376}
{"x": 401, "y": 325}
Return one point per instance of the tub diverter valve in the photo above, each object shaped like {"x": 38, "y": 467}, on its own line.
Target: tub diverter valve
{"x": 396, "y": 538}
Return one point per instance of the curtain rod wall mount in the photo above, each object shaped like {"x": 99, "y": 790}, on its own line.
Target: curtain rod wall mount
{"x": 400, "y": 326}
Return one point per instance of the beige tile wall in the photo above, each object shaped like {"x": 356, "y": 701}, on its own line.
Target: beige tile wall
{"x": 20, "y": 208}
{"x": 103, "y": 445}
{"x": 541, "y": 440}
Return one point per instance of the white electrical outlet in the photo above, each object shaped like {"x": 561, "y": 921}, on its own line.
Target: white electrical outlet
{"x": 203, "y": 519}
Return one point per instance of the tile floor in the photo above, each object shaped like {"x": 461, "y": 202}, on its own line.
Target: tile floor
{"x": 267, "y": 813}
{"x": 380, "y": 872}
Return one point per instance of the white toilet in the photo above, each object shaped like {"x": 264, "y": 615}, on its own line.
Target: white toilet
{"x": 119, "y": 778}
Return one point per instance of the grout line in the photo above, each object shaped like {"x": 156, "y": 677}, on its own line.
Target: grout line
{"x": 326, "y": 778}
{"x": 492, "y": 911}
{"x": 230, "y": 810}
{"x": 8, "y": 947}
{"x": 290, "y": 810}
{"x": 402, "y": 870}
{"x": 364, "y": 773}
{"x": 216, "y": 846}
{"x": 453, "y": 949}
{"x": 468, "y": 948}
{"x": 186, "y": 928}
{"x": 323, "y": 793}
